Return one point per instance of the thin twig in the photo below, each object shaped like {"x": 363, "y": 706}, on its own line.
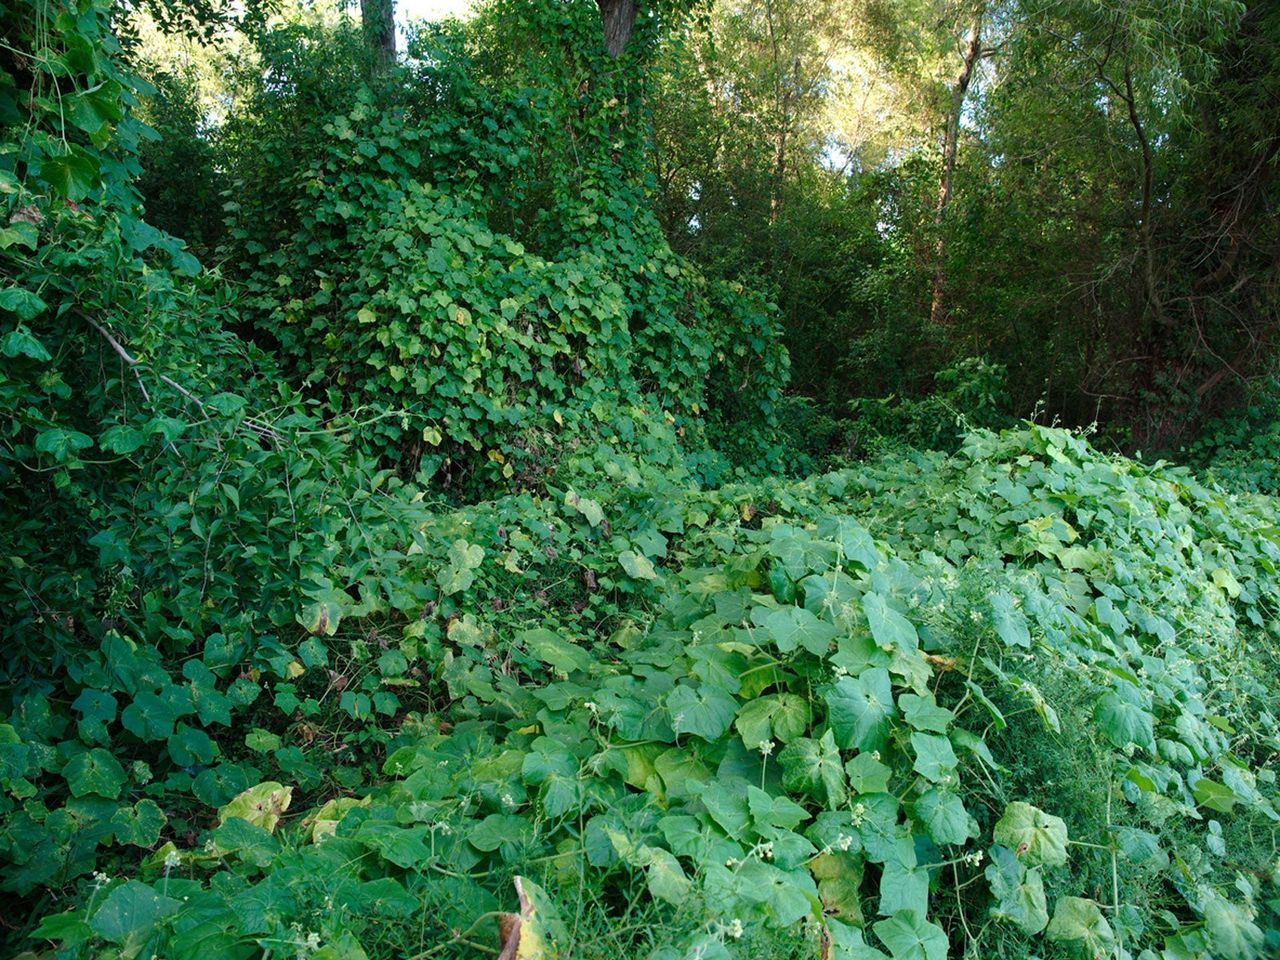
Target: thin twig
{"x": 134, "y": 361}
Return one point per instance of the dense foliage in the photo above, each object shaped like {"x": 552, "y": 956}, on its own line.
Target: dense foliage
{"x": 414, "y": 553}
{"x": 1082, "y": 192}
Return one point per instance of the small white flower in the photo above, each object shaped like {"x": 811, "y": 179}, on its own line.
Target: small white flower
{"x": 172, "y": 859}
{"x": 734, "y": 929}
{"x": 766, "y": 748}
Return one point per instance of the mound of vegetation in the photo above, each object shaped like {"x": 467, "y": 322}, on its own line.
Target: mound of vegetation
{"x": 1018, "y": 697}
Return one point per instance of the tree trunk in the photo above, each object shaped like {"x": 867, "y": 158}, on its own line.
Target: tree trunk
{"x": 1150, "y": 289}
{"x": 783, "y": 93}
{"x": 618, "y": 17}
{"x": 950, "y": 142}
{"x": 378, "y": 17}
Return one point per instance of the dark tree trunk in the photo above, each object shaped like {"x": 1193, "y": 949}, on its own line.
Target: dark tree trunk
{"x": 378, "y": 18}
{"x": 950, "y": 142}
{"x": 618, "y": 18}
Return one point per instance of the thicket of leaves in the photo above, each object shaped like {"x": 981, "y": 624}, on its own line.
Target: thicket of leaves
{"x": 423, "y": 245}
{"x": 266, "y": 693}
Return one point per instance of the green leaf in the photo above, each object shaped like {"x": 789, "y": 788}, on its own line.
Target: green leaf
{"x": 23, "y": 304}
{"x": 73, "y": 175}
{"x": 464, "y": 558}
{"x": 1036, "y": 837}
{"x": 139, "y": 825}
{"x": 68, "y": 927}
{"x": 944, "y": 817}
{"x": 814, "y": 767}
{"x": 249, "y": 842}
{"x": 1010, "y": 622}
{"x": 498, "y": 829}
{"x": 1226, "y": 581}
{"x": 790, "y": 895}
{"x": 98, "y": 709}
{"x": 770, "y": 814}
{"x": 190, "y": 746}
{"x": 859, "y": 709}
{"x": 910, "y": 937}
{"x": 404, "y": 846}
{"x": 1124, "y": 723}
{"x": 20, "y": 232}
{"x": 122, "y": 439}
{"x": 1081, "y": 923}
{"x": 1214, "y": 795}
{"x": 345, "y": 947}
{"x": 131, "y": 908}
{"x": 726, "y": 807}
{"x": 890, "y": 629}
{"x": 95, "y": 772}
{"x": 793, "y": 627}
{"x": 1141, "y": 847}
{"x": 23, "y": 343}
{"x": 704, "y": 710}
{"x": 847, "y": 941}
{"x": 552, "y": 649}
{"x": 1232, "y": 934}
{"x": 903, "y": 886}
{"x": 61, "y": 444}
{"x": 1018, "y": 892}
{"x": 636, "y": 566}
{"x": 664, "y": 876}
{"x": 589, "y": 509}
{"x": 262, "y": 741}
{"x": 867, "y": 774}
{"x": 324, "y": 822}
{"x": 935, "y": 759}
{"x": 923, "y": 713}
{"x": 781, "y": 717}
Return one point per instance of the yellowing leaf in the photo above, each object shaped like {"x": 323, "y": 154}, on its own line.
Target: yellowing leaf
{"x": 262, "y": 805}
{"x": 324, "y": 822}
{"x": 536, "y": 932}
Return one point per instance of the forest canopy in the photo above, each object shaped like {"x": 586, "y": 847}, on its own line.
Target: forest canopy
{"x": 673, "y": 480}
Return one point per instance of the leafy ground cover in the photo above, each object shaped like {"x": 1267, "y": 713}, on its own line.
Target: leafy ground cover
{"x": 1014, "y": 700}
{"x": 543, "y": 655}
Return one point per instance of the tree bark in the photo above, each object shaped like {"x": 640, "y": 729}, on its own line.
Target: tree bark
{"x": 1149, "y": 285}
{"x": 378, "y": 17}
{"x": 950, "y": 143}
{"x": 618, "y": 17}
{"x": 784, "y": 93}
